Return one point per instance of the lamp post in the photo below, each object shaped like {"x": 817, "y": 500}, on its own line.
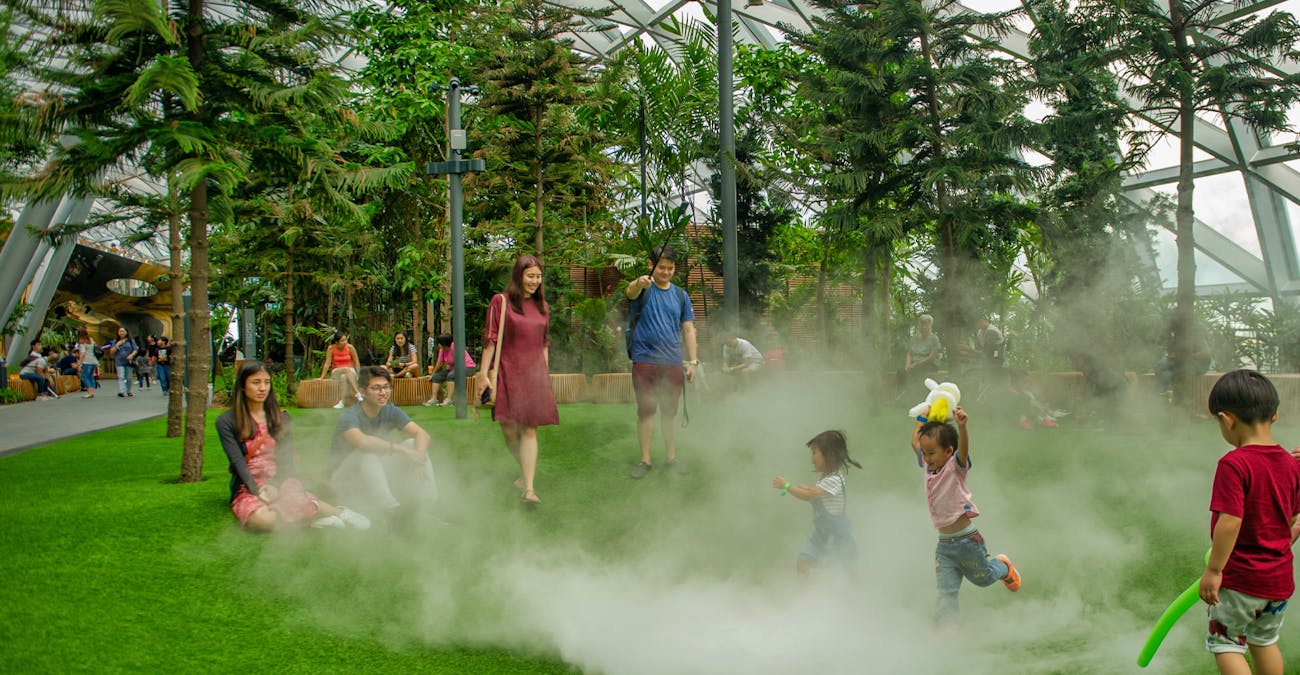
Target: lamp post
{"x": 727, "y": 163}
{"x": 453, "y": 168}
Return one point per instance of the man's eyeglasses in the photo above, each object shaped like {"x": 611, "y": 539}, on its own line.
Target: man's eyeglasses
{"x": 380, "y": 388}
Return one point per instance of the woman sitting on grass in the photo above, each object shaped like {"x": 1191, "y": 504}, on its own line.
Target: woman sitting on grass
{"x": 255, "y": 435}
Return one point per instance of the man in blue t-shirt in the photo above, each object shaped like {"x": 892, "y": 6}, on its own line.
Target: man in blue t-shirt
{"x": 660, "y": 369}
{"x": 367, "y": 468}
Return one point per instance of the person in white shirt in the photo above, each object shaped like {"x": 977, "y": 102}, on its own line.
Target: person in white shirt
{"x": 740, "y": 358}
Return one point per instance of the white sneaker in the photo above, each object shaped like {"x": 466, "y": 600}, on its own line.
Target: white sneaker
{"x": 332, "y": 522}
{"x": 445, "y": 403}
{"x": 354, "y": 520}
{"x": 360, "y": 397}
{"x": 429, "y": 403}
{"x": 339, "y": 405}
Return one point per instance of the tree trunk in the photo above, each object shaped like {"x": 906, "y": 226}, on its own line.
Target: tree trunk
{"x": 176, "y": 357}
{"x": 417, "y": 329}
{"x": 823, "y": 326}
{"x": 291, "y": 376}
{"x": 197, "y": 364}
{"x": 539, "y": 189}
{"x": 948, "y": 302}
{"x": 1185, "y": 296}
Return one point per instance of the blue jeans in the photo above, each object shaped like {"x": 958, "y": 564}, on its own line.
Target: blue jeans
{"x": 124, "y": 376}
{"x": 961, "y": 557}
{"x": 42, "y": 385}
{"x": 87, "y": 377}
{"x": 164, "y": 373}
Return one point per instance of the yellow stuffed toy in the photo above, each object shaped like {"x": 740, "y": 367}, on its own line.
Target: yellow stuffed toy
{"x": 939, "y": 404}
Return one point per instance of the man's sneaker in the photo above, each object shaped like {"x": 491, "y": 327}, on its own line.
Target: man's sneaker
{"x": 1012, "y": 579}
{"x": 354, "y": 520}
{"x": 330, "y": 522}
{"x": 429, "y": 403}
{"x": 640, "y": 470}
{"x": 338, "y": 405}
{"x": 678, "y": 468}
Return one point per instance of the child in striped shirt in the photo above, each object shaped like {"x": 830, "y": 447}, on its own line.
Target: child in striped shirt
{"x": 832, "y": 535}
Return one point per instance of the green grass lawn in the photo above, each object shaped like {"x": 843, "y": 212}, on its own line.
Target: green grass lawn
{"x": 111, "y": 565}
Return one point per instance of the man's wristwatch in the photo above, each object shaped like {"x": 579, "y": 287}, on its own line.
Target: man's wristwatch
{"x": 696, "y": 362}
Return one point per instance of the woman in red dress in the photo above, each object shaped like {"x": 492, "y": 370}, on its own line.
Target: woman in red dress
{"x": 524, "y": 398}
{"x": 254, "y": 433}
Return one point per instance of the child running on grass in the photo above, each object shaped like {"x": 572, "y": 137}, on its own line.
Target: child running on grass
{"x": 832, "y": 535}
{"x": 944, "y": 453}
{"x": 1254, "y": 501}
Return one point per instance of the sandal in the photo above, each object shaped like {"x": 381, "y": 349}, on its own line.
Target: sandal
{"x": 530, "y": 502}
{"x": 519, "y": 483}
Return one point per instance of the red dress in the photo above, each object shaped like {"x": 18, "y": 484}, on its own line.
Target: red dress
{"x": 524, "y": 394}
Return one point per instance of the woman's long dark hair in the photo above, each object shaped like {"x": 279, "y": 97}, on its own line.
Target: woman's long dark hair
{"x": 515, "y": 289}
{"x": 245, "y": 427}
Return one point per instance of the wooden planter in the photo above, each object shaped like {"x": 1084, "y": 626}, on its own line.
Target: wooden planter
{"x": 66, "y": 384}
{"x": 23, "y": 387}
{"x": 612, "y": 388}
{"x": 471, "y": 389}
{"x": 411, "y": 390}
{"x": 569, "y": 388}
{"x": 318, "y": 393}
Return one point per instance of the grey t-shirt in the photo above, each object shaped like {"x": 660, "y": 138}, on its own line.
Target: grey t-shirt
{"x": 921, "y": 347}
{"x": 390, "y": 418}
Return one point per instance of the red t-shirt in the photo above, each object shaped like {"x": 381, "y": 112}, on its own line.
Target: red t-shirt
{"x": 1261, "y": 485}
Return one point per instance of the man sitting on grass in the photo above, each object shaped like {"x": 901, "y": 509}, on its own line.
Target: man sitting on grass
{"x": 394, "y": 478}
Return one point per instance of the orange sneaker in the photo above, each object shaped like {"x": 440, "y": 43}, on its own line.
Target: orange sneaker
{"x": 1012, "y": 579}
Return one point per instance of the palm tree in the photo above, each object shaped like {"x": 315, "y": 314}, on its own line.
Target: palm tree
{"x": 1181, "y": 59}
{"x": 172, "y": 89}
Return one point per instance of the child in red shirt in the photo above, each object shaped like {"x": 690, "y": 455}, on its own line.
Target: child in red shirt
{"x": 1256, "y": 497}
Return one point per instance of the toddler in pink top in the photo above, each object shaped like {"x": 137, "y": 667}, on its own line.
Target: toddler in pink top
{"x": 944, "y": 453}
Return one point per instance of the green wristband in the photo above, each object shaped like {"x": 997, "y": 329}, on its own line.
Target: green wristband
{"x": 785, "y": 488}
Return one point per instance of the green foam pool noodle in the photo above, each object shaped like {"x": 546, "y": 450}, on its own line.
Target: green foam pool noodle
{"x": 1171, "y": 615}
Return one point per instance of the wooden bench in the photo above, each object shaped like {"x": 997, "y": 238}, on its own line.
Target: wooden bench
{"x": 612, "y": 388}
{"x": 411, "y": 391}
{"x": 66, "y": 384}
{"x": 569, "y": 387}
{"x": 318, "y": 393}
{"x": 23, "y": 387}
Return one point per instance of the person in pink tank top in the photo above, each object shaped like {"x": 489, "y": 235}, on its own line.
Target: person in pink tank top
{"x": 944, "y": 454}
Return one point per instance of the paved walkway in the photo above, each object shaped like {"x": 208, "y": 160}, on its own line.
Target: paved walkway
{"x": 35, "y": 423}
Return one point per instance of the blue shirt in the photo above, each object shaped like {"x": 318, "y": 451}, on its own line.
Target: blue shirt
{"x": 120, "y": 356}
{"x": 657, "y": 338}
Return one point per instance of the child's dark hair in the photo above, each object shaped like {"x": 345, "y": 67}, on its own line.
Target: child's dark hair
{"x": 943, "y": 432}
{"x": 1246, "y": 394}
{"x": 835, "y": 448}
{"x": 444, "y": 340}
